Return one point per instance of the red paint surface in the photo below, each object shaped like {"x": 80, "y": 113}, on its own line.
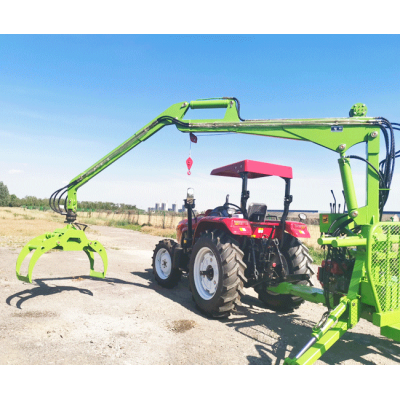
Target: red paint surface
{"x": 255, "y": 169}
{"x": 242, "y": 227}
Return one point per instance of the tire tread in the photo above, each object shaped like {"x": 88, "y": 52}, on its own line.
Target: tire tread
{"x": 233, "y": 279}
{"x": 175, "y": 276}
{"x": 299, "y": 262}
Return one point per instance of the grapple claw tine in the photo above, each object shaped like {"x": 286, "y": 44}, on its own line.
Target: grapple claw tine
{"x": 33, "y": 244}
{"x": 96, "y": 247}
{"x": 68, "y": 239}
{"x": 89, "y": 253}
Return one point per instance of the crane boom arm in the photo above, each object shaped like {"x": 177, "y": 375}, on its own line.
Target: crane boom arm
{"x": 172, "y": 115}
{"x": 335, "y": 134}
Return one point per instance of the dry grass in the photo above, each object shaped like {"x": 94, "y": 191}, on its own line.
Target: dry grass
{"x": 95, "y": 221}
{"x": 152, "y": 230}
{"x": 18, "y": 226}
{"x": 149, "y": 230}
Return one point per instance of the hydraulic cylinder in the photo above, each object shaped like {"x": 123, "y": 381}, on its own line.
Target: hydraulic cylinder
{"x": 348, "y": 187}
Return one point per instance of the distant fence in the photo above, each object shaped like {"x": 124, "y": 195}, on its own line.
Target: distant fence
{"x": 47, "y": 208}
{"x": 40, "y": 208}
{"x": 159, "y": 220}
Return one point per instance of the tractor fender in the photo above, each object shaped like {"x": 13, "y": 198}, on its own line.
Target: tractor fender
{"x": 180, "y": 229}
{"x": 232, "y": 226}
{"x": 297, "y": 229}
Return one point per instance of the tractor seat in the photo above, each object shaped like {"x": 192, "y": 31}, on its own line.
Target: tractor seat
{"x": 257, "y": 212}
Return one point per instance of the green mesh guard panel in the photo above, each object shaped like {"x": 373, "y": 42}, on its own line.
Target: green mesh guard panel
{"x": 385, "y": 265}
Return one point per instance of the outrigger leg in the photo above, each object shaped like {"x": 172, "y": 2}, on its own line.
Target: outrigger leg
{"x": 324, "y": 337}
{"x": 68, "y": 239}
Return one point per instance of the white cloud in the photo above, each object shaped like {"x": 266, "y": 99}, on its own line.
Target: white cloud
{"x": 15, "y": 171}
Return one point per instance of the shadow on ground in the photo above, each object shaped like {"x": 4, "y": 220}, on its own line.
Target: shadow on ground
{"x": 274, "y": 333}
{"x": 43, "y": 290}
{"x": 284, "y": 330}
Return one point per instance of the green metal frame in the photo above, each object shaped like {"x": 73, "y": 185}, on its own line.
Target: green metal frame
{"x": 335, "y": 134}
{"x": 67, "y": 239}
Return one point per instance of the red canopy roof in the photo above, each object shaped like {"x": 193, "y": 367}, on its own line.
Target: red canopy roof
{"x": 255, "y": 169}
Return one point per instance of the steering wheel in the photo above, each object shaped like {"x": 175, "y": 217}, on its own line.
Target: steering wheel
{"x": 222, "y": 211}
{"x": 233, "y": 205}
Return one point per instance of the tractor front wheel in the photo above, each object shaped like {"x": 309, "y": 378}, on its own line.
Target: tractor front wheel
{"x": 216, "y": 273}
{"x": 163, "y": 270}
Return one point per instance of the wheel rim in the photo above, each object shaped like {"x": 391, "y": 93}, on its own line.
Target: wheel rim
{"x": 205, "y": 273}
{"x": 163, "y": 263}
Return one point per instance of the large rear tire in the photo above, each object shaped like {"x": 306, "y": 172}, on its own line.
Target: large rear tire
{"x": 298, "y": 261}
{"x": 163, "y": 270}
{"x": 216, "y": 273}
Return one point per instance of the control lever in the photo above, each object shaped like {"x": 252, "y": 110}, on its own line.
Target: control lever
{"x": 334, "y": 204}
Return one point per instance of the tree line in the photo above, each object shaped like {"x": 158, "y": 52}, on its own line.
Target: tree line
{"x": 11, "y": 200}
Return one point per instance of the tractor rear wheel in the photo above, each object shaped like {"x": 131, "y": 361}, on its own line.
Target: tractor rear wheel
{"x": 163, "y": 270}
{"x": 298, "y": 261}
{"x": 216, "y": 273}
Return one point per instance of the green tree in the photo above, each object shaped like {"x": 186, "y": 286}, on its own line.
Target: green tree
{"x": 14, "y": 201}
{"x": 4, "y": 195}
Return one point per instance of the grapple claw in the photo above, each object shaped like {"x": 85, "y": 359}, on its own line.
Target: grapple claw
{"x": 68, "y": 239}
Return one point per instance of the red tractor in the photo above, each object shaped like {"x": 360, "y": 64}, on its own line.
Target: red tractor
{"x": 231, "y": 247}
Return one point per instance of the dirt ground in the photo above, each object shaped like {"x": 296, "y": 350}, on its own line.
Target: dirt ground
{"x": 66, "y": 317}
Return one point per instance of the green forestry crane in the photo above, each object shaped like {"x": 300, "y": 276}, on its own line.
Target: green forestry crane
{"x": 361, "y": 274}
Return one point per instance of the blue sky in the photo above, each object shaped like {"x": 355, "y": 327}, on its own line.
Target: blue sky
{"x": 67, "y": 100}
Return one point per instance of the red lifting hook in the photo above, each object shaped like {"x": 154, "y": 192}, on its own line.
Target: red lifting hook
{"x": 189, "y": 163}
